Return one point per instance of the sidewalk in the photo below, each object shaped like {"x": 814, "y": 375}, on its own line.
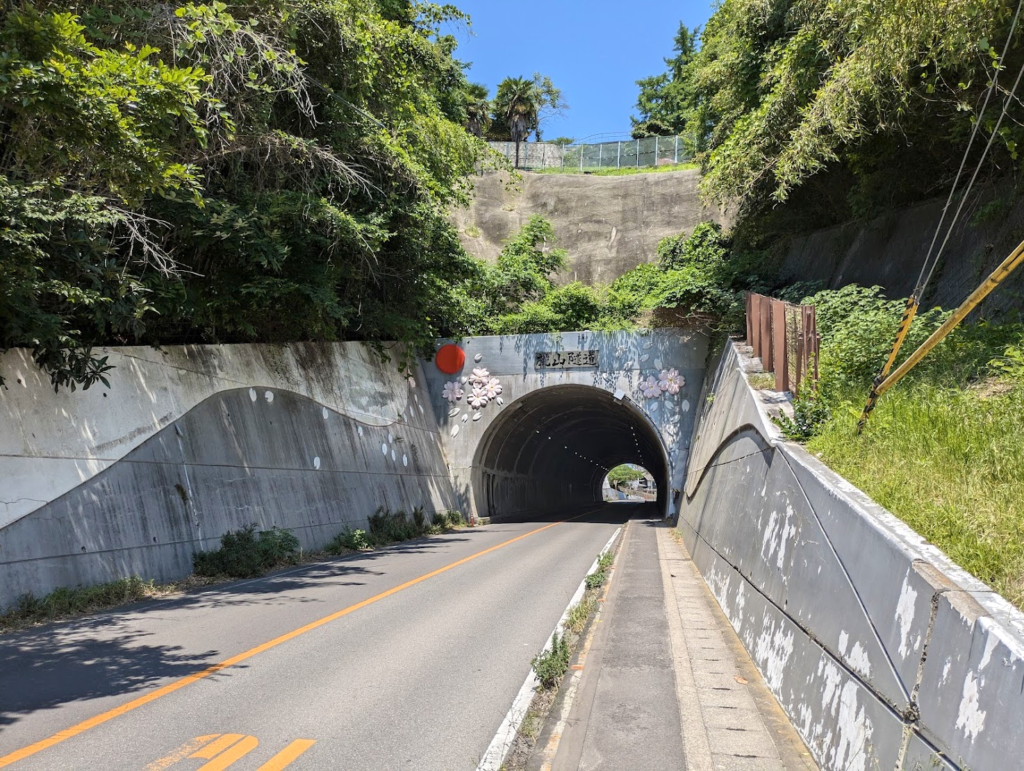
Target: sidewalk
{"x": 665, "y": 682}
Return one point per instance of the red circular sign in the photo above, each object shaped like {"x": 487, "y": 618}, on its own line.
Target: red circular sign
{"x": 450, "y": 359}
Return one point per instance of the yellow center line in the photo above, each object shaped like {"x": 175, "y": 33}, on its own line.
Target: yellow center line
{"x": 85, "y": 725}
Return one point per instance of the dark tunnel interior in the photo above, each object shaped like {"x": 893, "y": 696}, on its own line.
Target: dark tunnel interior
{"x": 550, "y": 451}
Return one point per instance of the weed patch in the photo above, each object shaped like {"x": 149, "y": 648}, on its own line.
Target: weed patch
{"x": 348, "y": 540}
{"x": 247, "y": 553}
{"x": 580, "y": 612}
{"x": 552, "y": 663}
{"x": 64, "y": 602}
{"x": 392, "y": 527}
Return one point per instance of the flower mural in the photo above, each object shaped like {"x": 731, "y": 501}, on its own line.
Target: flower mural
{"x": 493, "y": 388}
{"x": 479, "y": 388}
{"x": 452, "y": 391}
{"x": 670, "y": 381}
{"x": 477, "y": 399}
{"x": 650, "y": 388}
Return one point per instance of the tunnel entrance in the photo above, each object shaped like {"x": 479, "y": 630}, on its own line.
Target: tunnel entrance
{"x": 549, "y": 452}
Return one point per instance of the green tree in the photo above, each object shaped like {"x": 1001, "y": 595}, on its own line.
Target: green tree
{"x": 621, "y": 476}
{"x": 261, "y": 172}
{"x": 478, "y": 108}
{"x": 520, "y": 107}
{"x": 668, "y": 103}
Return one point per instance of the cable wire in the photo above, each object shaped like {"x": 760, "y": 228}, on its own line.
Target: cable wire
{"x": 927, "y": 271}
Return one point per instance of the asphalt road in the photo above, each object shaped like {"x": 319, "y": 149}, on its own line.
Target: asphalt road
{"x": 322, "y": 671}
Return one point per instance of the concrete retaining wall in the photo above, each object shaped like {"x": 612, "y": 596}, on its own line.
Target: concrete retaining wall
{"x": 890, "y": 250}
{"x": 609, "y": 225}
{"x": 190, "y": 442}
{"x": 883, "y": 652}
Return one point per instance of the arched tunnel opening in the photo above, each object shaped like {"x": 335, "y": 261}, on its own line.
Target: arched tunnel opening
{"x": 550, "y": 451}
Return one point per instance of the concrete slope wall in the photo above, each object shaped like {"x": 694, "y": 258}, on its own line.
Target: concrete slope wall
{"x": 883, "y": 652}
{"x": 890, "y": 250}
{"x": 609, "y": 225}
{"x": 159, "y": 477}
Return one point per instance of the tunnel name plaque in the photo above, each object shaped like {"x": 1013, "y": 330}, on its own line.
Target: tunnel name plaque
{"x": 565, "y": 359}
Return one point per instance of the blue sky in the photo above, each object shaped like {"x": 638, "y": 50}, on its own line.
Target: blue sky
{"x": 594, "y": 51}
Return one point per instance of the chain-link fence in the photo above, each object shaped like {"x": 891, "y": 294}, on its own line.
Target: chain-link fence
{"x": 627, "y": 154}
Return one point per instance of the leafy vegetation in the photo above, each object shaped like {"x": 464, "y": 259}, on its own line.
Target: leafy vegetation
{"x": 840, "y": 110}
{"x": 65, "y": 602}
{"x": 520, "y": 107}
{"x": 222, "y": 173}
{"x": 624, "y": 474}
{"x": 392, "y": 527}
{"x": 247, "y": 553}
{"x": 693, "y": 278}
{"x": 942, "y": 449}
{"x": 552, "y": 664}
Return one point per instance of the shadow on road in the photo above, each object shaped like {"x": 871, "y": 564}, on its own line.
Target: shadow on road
{"x": 109, "y": 655}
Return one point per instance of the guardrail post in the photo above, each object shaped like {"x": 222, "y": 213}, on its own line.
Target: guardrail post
{"x": 676, "y": 150}
{"x": 618, "y": 155}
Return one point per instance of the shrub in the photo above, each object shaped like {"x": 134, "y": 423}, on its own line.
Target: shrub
{"x": 810, "y": 413}
{"x": 247, "y": 553}
{"x": 388, "y": 527}
{"x": 444, "y": 520}
{"x": 348, "y": 540}
{"x": 66, "y": 601}
{"x": 857, "y": 326}
{"x": 552, "y": 663}
{"x": 705, "y": 248}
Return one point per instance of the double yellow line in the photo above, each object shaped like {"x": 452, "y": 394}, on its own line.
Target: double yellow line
{"x": 177, "y": 685}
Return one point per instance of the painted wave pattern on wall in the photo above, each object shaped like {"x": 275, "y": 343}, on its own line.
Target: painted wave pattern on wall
{"x": 50, "y": 443}
{"x": 265, "y": 456}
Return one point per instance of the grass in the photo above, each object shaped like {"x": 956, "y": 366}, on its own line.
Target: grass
{"x": 580, "y": 613}
{"x": 950, "y": 463}
{"x": 623, "y": 172}
{"x": 83, "y": 600}
{"x": 762, "y": 381}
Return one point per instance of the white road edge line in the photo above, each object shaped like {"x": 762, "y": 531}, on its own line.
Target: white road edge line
{"x": 502, "y": 741}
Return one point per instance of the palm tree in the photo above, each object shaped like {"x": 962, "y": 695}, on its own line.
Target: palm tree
{"x": 520, "y": 106}
{"x": 517, "y": 105}
{"x": 477, "y": 108}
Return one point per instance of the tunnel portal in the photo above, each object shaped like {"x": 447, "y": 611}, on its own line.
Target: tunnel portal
{"x": 549, "y": 452}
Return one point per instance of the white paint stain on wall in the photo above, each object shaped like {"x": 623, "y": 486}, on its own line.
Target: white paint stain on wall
{"x": 970, "y": 717}
{"x": 772, "y": 651}
{"x": 854, "y": 732}
{"x": 905, "y": 615}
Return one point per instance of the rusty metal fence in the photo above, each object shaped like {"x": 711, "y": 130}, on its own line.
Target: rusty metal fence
{"x": 785, "y": 338}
